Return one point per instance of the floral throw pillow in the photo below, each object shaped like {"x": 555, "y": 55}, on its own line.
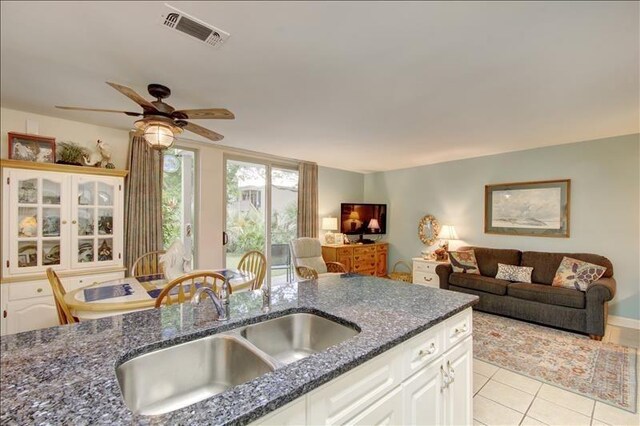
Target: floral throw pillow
{"x": 577, "y": 274}
{"x": 464, "y": 261}
{"x": 521, "y": 274}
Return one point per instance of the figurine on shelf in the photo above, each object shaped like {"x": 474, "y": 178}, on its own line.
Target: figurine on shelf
{"x": 441, "y": 255}
{"x": 101, "y": 155}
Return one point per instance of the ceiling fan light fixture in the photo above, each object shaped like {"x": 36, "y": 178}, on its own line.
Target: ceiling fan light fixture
{"x": 159, "y": 135}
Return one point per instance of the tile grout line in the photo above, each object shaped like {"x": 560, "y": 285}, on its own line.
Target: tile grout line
{"x": 526, "y": 413}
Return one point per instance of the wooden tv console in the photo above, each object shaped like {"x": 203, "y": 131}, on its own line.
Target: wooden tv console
{"x": 366, "y": 259}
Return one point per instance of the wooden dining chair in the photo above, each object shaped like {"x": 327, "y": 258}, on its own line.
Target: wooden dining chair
{"x": 64, "y": 313}
{"x": 306, "y": 273}
{"x": 208, "y": 278}
{"x": 254, "y": 262}
{"x": 147, "y": 264}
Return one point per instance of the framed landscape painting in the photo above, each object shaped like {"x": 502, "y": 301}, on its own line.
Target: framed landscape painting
{"x": 538, "y": 209}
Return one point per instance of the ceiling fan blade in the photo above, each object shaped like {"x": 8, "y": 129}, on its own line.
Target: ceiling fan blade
{"x": 131, "y": 94}
{"x": 209, "y": 134}
{"x": 211, "y": 113}
{"x": 133, "y": 114}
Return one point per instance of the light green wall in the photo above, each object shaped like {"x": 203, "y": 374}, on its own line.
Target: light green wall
{"x": 605, "y": 198}
{"x": 337, "y": 186}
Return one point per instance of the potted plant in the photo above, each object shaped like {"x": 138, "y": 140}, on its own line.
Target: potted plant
{"x": 70, "y": 153}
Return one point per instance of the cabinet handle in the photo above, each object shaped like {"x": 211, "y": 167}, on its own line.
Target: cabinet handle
{"x": 39, "y": 290}
{"x": 4, "y": 313}
{"x": 74, "y": 222}
{"x": 462, "y": 329}
{"x": 431, "y": 350}
{"x": 445, "y": 379}
{"x": 64, "y": 222}
{"x": 427, "y": 279}
{"x": 451, "y": 373}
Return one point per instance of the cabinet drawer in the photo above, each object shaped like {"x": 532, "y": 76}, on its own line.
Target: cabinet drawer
{"x": 344, "y": 251}
{"x": 364, "y": 258}
{"x": 362, "y": 266}
{"x": 426, "y": 278}
{"x": 458, "y": 327}
{"x": 364, "y": 250}
{"x": 350, "y": 394}
{"x": 424, "y": 267}
{"x": 381, "y": 248}
{"x": 27, "y": 290}
{"x": 423, "y": 348}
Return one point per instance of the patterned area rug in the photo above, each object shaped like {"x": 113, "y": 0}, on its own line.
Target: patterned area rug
{"x": 602, "y": 371}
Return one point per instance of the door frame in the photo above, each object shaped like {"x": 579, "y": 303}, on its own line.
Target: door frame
{"x": 270, "y": 165}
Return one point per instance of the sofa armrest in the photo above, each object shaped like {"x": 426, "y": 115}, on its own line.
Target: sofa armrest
{"x": 443, "y": 271}
{"x": 603, "y": 289}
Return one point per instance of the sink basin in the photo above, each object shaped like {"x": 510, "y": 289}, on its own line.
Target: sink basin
{"x": 171, "y": 378}
{"x": 296, "y": 336}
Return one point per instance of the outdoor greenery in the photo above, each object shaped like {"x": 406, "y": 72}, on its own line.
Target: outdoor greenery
{"x": 171, "y": 203}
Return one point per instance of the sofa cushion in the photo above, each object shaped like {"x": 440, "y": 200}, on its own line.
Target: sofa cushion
{"x": 521, "y": 274}
{"x": 479, "y": 282}
{"x": 546, "y": 264}
{"x": 488, "y": 259}
{"x": 464, "y": 262}
{"x": 576, "y": 274}
{"x": 542, "y": 293}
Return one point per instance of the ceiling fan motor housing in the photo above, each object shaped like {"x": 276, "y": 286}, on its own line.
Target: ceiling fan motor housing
{"x": 159, "y": 91}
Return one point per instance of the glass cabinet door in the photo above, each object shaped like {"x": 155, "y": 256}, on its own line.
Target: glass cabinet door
{"x": 93, "y": 241}
{"x": 38, "y": 208}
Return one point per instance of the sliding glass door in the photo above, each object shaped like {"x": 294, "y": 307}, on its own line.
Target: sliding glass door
{"x": 261, "y": 214}
{"x": 178, "y": 198}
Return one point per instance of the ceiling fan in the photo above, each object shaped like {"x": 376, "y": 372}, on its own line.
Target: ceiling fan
{"x": 160, "y": 122}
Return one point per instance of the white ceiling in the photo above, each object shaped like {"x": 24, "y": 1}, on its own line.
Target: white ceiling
{"x": 355, "y": 85}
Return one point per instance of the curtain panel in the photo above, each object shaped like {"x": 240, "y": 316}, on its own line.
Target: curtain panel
{"x": 143, "y": 201}
{"x": 308, "y": 200}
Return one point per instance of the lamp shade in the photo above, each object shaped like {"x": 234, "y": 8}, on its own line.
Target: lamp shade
{"x": 330, "y": 223}
{"x": 354, "y": 215}
{"x": 374, "y": 225}
{"x": 448, "y": 232}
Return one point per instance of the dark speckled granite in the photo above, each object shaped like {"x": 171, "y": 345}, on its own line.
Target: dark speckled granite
{"x": 67, "y": 374}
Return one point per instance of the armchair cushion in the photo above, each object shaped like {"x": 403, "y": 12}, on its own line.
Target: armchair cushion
{"x": 308, "y": 252}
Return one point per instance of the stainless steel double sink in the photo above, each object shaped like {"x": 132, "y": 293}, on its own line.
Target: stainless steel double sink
{"x": 180, "y": 375}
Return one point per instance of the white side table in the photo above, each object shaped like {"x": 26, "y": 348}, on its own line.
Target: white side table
{"x": 424, "y": 272}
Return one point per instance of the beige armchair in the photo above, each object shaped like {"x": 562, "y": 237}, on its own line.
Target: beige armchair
{"x": 307, "y": 253}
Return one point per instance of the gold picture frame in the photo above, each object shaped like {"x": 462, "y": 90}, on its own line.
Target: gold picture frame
{"x": 535, "y": 209}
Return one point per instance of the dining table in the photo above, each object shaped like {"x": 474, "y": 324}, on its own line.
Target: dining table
{"x": 116, "y": 297}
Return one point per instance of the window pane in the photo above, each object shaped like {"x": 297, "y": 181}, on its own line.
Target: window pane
{"x": 284, "y": 222}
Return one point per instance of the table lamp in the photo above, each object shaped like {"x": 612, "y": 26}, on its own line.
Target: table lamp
{"x": 447, "y": 232}
{"x": 329, "y": 224}
{"x": 374, "y": 226}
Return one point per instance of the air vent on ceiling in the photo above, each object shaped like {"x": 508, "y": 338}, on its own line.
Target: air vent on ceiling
{"x": 174, "y": 19}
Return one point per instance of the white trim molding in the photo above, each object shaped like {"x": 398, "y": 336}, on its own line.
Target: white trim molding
{"x": 623, "y": 322}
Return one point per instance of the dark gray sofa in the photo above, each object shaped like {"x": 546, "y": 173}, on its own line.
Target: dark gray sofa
{"x": 584, "y": 312}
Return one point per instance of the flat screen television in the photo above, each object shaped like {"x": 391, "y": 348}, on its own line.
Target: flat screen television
{"x": 361, "y": 219}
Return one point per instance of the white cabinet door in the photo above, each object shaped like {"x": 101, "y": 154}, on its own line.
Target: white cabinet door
{"x": 459, "y": 394}
{"x": 292, "y": 414}
{"x": 386, "y": 411}
{"x": 352, "y": 393}
{"x": 31, "y": 314}
{"x": 38, "y": 227}
{"x": 423, "y": 397}
{"x": 96, "y": 218}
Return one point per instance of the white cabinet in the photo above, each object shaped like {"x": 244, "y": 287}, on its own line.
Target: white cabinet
{"x": 458, "y": 395}
{"x": 424, "y": 397}
{"x": 385, "y": 411}
{"x": 424, "y": 272}
{"x": 427, "y": 380}
{"x": 64, "y": 217}
{"x": 31, "y": 314}
{"x": 292, "y": 414}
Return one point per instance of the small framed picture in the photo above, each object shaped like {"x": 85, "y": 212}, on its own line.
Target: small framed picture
{"x": 41, "y": 149}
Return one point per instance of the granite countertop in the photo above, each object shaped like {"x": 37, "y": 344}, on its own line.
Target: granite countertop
{"x": 67, "y": 374}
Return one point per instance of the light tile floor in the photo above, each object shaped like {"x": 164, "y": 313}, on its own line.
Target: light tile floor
{"x": 502, "y": 397}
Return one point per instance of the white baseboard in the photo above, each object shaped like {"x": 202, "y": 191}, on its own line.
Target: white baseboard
{"x": 623, "y": 322}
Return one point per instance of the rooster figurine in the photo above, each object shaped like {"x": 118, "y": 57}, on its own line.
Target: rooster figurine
{"x": 101, "y": 155}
